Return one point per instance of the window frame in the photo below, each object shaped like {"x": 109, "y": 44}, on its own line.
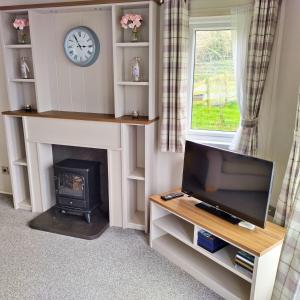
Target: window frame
{"x": 217, "y": 138}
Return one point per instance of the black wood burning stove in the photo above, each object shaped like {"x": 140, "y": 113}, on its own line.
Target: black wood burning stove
{"x": 77, "y": 186}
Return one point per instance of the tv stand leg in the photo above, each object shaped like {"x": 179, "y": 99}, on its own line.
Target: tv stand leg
{"x": 265, "y": 269}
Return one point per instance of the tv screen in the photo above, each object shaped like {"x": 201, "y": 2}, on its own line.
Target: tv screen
{"x": 235, "y": 183}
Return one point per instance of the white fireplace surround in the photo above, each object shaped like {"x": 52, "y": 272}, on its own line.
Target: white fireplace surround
{"x": 41, "y": 133}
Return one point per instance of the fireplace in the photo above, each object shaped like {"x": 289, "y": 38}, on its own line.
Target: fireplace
{"x": 81, "y": 195}
{"x": 77, "y": 187}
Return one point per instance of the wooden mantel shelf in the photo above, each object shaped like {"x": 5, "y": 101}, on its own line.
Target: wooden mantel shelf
{"x": 66, "y": 4}
{"x": 257, "y": 242}
{"x": 53, "y": 114}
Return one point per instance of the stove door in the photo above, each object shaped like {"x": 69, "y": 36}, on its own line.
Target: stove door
{"x": 71, "y": 185}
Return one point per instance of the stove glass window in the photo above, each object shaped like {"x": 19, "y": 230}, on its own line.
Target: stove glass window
{"x": 71, "y": 185}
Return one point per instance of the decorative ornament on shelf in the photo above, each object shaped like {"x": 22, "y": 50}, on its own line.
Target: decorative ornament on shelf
{"x": 28, "y": 108}
{"x": 135, "y": 114}
{"x": 136, "y": 70}
{"x": 133, "y": 22}
{"x": 21, "y": 23}
{"x": 24, "y": 68}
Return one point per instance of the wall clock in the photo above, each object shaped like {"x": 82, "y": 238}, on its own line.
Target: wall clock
{"x": 82, "y": 46}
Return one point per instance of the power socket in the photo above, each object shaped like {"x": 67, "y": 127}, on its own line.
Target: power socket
{"x": 5, "y": 170}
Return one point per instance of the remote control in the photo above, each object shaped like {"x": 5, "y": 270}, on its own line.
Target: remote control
{"x": 247, "y": 225}
{"x": 172, "y": 196}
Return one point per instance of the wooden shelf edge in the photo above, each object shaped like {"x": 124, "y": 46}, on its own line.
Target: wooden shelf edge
{"x": 18, "y": 46}
{"x": 23, "y": 80}
{"x": 132, "y": 44}
{"x": 133, "y": 83}
{"x": 66, "y": 4}
{"x": 52, "y": 114}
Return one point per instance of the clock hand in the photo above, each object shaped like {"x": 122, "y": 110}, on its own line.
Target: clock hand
{"x": 77, "y": 41}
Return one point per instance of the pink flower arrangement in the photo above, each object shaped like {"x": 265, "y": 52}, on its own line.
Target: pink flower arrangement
{"x": 131, "y": 21}
{"x": 21, "y": 23}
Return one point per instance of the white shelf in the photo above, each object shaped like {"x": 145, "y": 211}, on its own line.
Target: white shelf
{"x": 25, "y": 204}
{"x": 20, "y": 162}
{"x": 134, "y": 83}
{"x": 137, "y": 221}
{"x": 203, "y": 269}
{"x": 23, "y": 80}
{"x": 18, "y": 46}
{"x": 137, "y": 174}
{"x": 134, "y": 45}
{"x": 177, "y": 227}
{"x": 184, "y": 231}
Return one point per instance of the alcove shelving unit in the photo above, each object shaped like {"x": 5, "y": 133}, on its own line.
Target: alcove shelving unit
{"x": 134, "y": 177}
{"x": 130, "y": 95}
{"x": 21, "y": 92}
{"x": 17, "y": 162}
{"x": 103, "y": 92}
{"x": 139, "y": 146}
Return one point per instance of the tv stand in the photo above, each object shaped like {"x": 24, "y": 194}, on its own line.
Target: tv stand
{"x": 219, "y": 213}
{"x": 174, "y": 227}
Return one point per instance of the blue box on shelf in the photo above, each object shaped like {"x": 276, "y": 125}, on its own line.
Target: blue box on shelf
{"x": 210, "y": 242}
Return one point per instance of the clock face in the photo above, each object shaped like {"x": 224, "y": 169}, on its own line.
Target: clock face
{"x": 82, "y": 46}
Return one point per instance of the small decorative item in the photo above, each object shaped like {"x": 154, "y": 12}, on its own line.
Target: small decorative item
{"x": 24, "y": 68}
{"x": 21, "y": 23}
{"x": 28, "y": 108}
{"x": 133, "y": 22}
{"x": 135, "y": 114}
{"x": 136, "y": 71}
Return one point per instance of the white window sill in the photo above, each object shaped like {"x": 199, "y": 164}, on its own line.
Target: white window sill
{"x": 211, "y": 138}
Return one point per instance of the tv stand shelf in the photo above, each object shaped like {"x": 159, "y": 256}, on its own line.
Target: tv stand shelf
{"x": 173, "y": 232}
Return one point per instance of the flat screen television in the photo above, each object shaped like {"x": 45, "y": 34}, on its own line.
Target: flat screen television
{"x": 236, "y": 184}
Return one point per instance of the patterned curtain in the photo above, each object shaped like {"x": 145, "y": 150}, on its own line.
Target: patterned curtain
{"x": 262, "y": 32}
{"x": 175, "y": 54}
{"x": 288, "y": 215}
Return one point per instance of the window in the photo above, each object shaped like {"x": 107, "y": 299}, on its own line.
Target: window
{"x": 213, "y": 108}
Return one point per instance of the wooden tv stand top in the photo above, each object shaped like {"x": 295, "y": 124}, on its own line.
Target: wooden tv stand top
{"x": 257, "y": 241}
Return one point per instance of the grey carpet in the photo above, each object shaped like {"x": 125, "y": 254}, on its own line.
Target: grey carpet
{"x": 118, "y": 265}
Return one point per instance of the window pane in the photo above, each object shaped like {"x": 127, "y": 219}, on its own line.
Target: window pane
{"x": 215, "y": 104}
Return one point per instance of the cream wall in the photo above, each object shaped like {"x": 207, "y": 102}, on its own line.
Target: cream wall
{"x": 285, "y": 98}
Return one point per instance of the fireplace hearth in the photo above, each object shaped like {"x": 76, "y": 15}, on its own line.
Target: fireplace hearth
{"x": 80, "y": 193}
{"x": 77, "y": 187}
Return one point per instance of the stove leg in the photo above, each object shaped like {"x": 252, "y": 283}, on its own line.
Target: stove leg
{"x": 87, "y": 217}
